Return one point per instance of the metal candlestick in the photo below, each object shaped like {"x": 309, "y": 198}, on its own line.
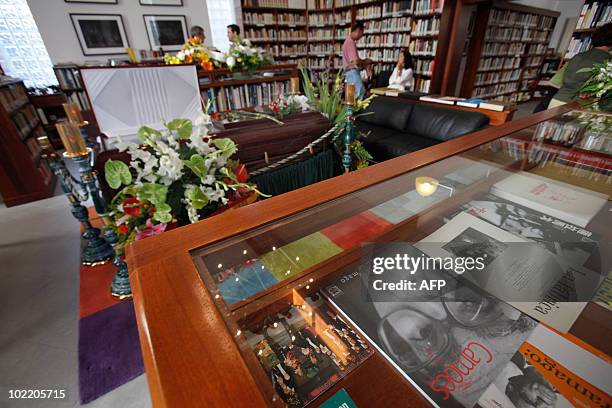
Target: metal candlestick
{"x": 120, "y": 286}
{"x": 97, "y": 251}
{"x": 349, "y": 138}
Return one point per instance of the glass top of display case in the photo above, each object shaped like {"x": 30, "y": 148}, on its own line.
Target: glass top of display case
{"x": 289, "y": 286}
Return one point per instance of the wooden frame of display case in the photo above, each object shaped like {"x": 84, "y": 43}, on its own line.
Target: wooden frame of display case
{"x": 190, "y": 350}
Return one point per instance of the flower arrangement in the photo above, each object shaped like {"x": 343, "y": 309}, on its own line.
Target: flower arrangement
{"x": 599, "y": 85}
{"x": 286, "y": 105}
{"x": 193, "y": 51}
{"x": 243, "y": 56}
{"x": 177, "y": 175}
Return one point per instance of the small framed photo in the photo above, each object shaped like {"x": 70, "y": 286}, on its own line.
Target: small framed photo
{"x": 161, "y": 3}
{"x": 92, "y": 1}
{"x": 100, "y": 34}
{"x": 167, "y": 32}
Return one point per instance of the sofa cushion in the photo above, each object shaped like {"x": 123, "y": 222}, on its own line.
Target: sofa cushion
{"x": 396, "y": 145}
{"x": 444, "y": 124}
{"x": 387, "y": 112}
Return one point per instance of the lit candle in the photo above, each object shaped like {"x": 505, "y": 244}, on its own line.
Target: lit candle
{"x": 349, "y": 94}
{"x": 426, "y": 186}
{"x": 73, "y": 113}
{"x": 43, "y": 142}
{"x": 295, "y": 85}
{"x": 71, "y": 138}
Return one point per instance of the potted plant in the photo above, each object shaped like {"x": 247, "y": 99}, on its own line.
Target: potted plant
{"x": 599, "y": 85}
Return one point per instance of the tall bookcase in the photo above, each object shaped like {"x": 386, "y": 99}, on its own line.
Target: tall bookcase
{"x": 508, "y": 48}
{"x": 592, "y": 15}
{"x": 24, "y": 177}
{"x": 390, "y": 25}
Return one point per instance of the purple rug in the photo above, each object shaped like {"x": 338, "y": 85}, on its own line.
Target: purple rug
{"x": 109, "y": 350}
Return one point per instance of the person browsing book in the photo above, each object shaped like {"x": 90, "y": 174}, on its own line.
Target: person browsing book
{"x": 402, "y": 77}
{"x": 351, "y": 62}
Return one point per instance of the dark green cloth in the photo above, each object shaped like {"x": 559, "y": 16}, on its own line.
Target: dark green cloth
{"x": 572, "y": 80}
{"x": 294, "y": 176}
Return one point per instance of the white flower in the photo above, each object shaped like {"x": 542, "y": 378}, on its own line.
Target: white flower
{"x": 230, "y": 61}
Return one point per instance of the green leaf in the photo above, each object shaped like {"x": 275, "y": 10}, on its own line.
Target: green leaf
{"x": 162, "y": 213}
{"x": 117, "y": 173}
{"x": 196, "y": 197}
{"x": 145, "y": 133}
{"x": 183, "y": 127}
{"x": 226, "y": 146}
{"x": 197, "y": 164}
{"x": 155, "y": 193}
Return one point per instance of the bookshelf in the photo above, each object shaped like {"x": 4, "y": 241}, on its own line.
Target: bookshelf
{"x": 24, "y": 177}
{"x": 259, "y": 89}
{"x": 592, "y": 15}
{"x": 390, "y": 25}
{"x": 508, "y": 51}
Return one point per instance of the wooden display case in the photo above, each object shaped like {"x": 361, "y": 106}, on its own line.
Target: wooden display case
{"x": 196, "y": 336}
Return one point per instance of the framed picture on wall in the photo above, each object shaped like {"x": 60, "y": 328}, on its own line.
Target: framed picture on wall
{"x": 100, "y": 34}
{"x": 168, "y": 32}
{"x": 161, "y": 2}
{"x": 92, "y": 1}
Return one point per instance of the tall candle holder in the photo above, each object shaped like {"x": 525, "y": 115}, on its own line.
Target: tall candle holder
{"x": 349, "y": 131}
{"x": 97, "y": 251}
{"x": 79, "y": 153}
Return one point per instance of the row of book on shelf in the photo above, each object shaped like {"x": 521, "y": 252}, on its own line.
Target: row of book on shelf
{"x": 470, "y": 343}
{"x": 594, "y": 14}
{"x": 12, "y": 96}
{"x": 244, "y": 96}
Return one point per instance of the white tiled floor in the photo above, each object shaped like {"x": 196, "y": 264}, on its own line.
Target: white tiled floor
{"x": 39, "y": 281}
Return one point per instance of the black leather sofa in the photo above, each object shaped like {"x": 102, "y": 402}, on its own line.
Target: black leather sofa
{"x": 397, "y": 126}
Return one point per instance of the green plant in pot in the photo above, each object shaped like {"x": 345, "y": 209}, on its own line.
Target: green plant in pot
{"x": 599, "y": 85}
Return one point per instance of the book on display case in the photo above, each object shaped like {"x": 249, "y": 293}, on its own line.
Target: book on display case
{"x": 553, "y": 371}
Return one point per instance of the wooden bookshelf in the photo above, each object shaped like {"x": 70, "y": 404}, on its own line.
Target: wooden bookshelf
{"x": 594, "y": 13}
{"x": 508, "y": 46}
{"x": 390, "y": 25}
{"x": 24, "y": 177}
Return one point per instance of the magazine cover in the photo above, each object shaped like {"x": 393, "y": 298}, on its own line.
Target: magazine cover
{"x": 570, "y": 241}
{"x": 450, "y": 348}
{"x": 306, "y": 349}
{"x": 550, "y": 371}
{"x": 545, "y": 286}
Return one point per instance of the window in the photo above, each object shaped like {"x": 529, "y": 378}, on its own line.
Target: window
{"x": 220, "y": 14}
{"x": 22, "y": 51}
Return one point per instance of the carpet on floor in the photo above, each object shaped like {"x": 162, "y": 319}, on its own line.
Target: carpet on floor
{"x": 109, "y": 348}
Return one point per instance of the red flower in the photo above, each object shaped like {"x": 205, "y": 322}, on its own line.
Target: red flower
{"x": 123, "y": 229}
{"x": 241, "y": 173}
{"x": 131, "y": 206}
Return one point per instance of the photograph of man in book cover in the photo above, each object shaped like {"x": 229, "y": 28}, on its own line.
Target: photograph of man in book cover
{"x": 472, "y": 243}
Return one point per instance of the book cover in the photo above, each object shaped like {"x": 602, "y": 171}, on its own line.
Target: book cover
{"x": 567, "y": 240}
{"x": 550, "y": 371}
{"x": 543, "y": 285}
{"x": 471, "y": 103}
{"x": 449, "y": 349}
{"x": 561, "y": 200}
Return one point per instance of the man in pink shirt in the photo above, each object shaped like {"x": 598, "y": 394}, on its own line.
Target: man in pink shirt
{"x": 351, "y": 61}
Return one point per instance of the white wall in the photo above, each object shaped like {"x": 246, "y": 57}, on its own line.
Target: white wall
{"x": 53, "y": 21}
{"x": 568, "y": 9}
